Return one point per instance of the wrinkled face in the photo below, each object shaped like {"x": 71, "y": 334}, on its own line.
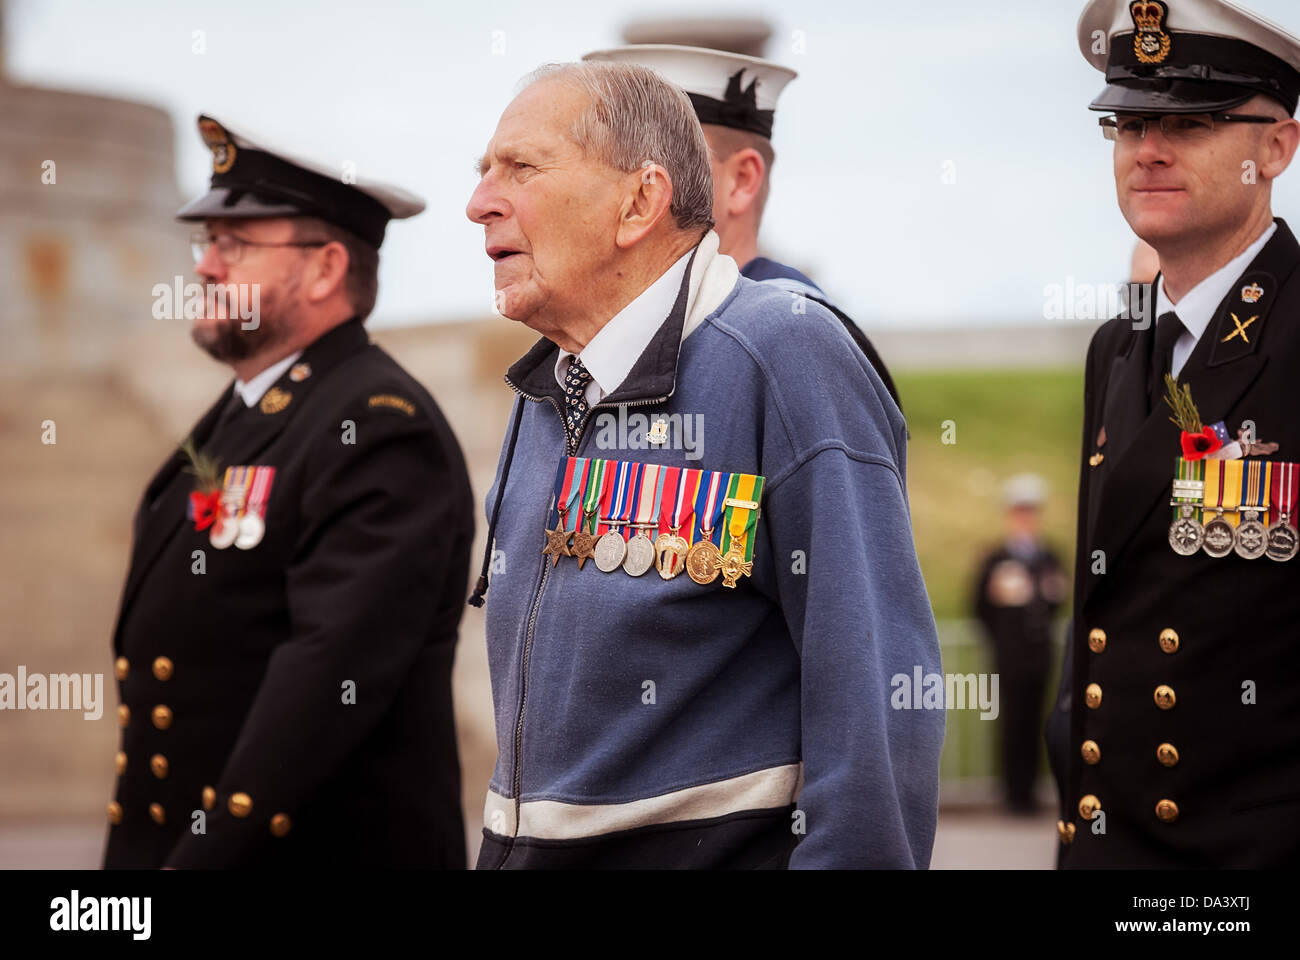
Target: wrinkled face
{"x": 1177, "y": 189}
{"x": 275, "y": 271}
{"x": 549, "y": 213}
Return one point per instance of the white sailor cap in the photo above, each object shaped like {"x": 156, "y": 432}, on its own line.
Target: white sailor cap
{"x": 728, "y": 89}
{"x": 1025, "y": 490}
{"x": 1187, "y": 56}
{"x": 252, "y": 181}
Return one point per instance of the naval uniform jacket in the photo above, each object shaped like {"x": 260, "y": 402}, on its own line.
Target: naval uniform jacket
{"x": 298, "y": 693}
{"x": 1228, "y": 793}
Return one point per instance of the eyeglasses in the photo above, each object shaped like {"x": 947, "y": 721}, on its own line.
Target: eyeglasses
{"x": 1179, "y": 127}
{"x": 230, "y": 248}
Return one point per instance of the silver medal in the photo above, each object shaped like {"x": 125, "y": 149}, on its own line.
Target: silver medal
{"x": 1252, "y": 537}
{"x": 1186, "y": 535}
{"x": 1219, "y": 537}
{"x": 251, "y": 529}
{"x": 224, "y": 532}
{"x": 610, "y": 551}
{"x": 1283, "y": 543}
{"x": 640, "y": 554}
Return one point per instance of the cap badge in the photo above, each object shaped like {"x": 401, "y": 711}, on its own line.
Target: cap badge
{"x": 275, "y": 400}
{"x": 1252, "y": 293}
{"x": 1150, "y": 43}
{"x": 218, "y": 141}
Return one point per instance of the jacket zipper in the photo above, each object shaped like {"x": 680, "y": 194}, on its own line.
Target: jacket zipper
{"x": 534, "y": 610}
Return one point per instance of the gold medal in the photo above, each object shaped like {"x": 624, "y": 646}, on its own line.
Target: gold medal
{"x": 703, "y": 560}
{"x": 670, "y": 553}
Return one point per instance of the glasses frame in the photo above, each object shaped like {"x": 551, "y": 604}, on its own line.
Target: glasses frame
{"x": 1110, "y": 129}
{"x": 201, "y": 241}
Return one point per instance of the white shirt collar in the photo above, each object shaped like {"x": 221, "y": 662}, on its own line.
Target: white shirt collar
{"x": 1197, "y": 307}
{"x": 614, "y": 349}
{"x": 253, "y": 390}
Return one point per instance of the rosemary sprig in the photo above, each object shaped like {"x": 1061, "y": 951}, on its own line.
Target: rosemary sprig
{"x": 205, "y": 469}
{"x": 1186, "y": 417}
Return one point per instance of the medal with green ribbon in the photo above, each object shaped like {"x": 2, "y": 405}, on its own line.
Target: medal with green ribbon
{"x": 743, "y": 497}
{"x": 1186, "y": 535}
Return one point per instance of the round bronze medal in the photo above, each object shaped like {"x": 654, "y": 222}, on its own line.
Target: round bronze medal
{"x": 1219, "y": 537}
{"x": 703, "y": 562}
{"x": 1283, "y": 543}
{"x": 610, "y": 551}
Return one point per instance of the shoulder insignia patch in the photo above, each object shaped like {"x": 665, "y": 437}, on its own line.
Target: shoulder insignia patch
{"x": 393, "y": 402}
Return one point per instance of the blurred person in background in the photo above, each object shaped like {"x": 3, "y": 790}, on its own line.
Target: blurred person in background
{"x": 1018, "y": 592}
{"x": 735, "y": 97}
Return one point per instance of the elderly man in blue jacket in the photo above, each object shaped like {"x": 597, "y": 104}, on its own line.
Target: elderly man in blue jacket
{"x": 746, "y": 714}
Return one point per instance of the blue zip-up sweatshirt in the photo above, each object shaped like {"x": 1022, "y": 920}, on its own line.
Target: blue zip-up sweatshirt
{"x": 644, "y": 722}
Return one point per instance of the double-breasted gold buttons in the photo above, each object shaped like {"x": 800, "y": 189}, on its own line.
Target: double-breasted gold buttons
{"x": 114, "y": 813}
{"x": 123, "y": 715}
{"x": 1088, "y": 805}
{"x": 1092, "y": 695}
{"x": 120, "y": 667}
{"x": 162, "y": 716}
{"x": 209, "y": 798}
{"x": 1165, "y": 697}
{"x": 157, "y": 813}
{"x": 1167, "y": 754}
{"x": 1169, "y": 640}
{"x": 1097, "y": 640}
{"x": 159, "y": 765}
{"x": 119, "y": 762}
{"x": 1166, "y": 811}
{"x": 163, "y": 668}
{"x": 240, "y": 804}
{"x": 280, "y": 825}
{"x": 1091, "y": 752}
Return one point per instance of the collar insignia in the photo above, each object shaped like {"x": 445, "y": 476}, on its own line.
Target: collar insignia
{"x": 275, "y": 400}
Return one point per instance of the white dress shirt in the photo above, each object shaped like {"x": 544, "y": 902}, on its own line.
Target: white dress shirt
{"x": 1196, "y": 308}
{"x": 613, "y": 351}
{"x": 253, "y": 390}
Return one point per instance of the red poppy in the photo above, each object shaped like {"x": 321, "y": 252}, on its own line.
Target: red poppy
{"x": 1197, "y": 446}
{"x": 205, "y": 507}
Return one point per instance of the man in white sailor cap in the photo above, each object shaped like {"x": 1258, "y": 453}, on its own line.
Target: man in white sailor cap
{"x": 284, "y": 643}
{"x": 735, "y": 100}
{"x": 1183, "y": 746}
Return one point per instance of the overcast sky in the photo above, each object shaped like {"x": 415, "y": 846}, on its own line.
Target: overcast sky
{"x": 890, "y": 97}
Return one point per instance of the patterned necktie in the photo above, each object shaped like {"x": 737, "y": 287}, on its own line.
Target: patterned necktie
{"x": 575, "y": 401}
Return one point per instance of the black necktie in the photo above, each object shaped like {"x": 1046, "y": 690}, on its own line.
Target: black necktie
{"x": 1168, "y": 329}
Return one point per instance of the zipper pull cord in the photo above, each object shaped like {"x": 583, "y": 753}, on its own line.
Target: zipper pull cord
{"x": 481, "y": 587}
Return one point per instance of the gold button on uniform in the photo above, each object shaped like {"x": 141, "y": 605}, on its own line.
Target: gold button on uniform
{"x": 114, "y": 813}
{"x": 241, "y": 804}
{"x": 158, "y": 764}
{"x": 1091, "y": 752}
{"x": 119, "y": 763}
{"x": 1168, "y": 640}
{"x": 156, "y": 811}
{"x": 162, "y": 717}
{"x": 1088, "y": 804}
{"x": 123, "y": 715}
{"x": 163, "y": 668}
{"x": 1167, "y": 754}
{"x": 1097, "y": 640}
{"x": 1092, "y": 695}
{"x": 209, "y": 798}
{"x": 1166, "y": 811}
{"x": 120, "y": 666}
{"x": 1165, "y": 698}
{"x": 280, "y": 825}
{"x": 1065, "y": 831}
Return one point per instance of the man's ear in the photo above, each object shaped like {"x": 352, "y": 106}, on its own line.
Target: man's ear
{"x": 326, "y": 271}
{"x": 1279, "y": 147}
{"x": 743, "y": 172}
{"x": 649, "y": 197}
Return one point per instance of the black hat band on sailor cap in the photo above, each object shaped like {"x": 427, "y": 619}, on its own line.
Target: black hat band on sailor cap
{"x": 1200, "y": 73}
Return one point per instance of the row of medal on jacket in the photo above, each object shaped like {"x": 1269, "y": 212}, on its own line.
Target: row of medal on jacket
{"x": 606, "y": 509}
{"x": 1246, "y": 507}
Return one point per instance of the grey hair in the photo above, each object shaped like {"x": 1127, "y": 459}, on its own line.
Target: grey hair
{"x": 637, "y": 117}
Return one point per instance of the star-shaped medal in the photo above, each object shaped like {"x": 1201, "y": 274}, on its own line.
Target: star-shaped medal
{"x": 584, "y": 546}
{"x": 557, "y": 543}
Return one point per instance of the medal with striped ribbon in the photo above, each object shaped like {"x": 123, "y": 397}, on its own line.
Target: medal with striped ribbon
{"x": 678, "y": 506}
{"x": 1186, "y": 535}
{"x": 1283, "y": 542}
{"x": 1252, "y": 536}
{"x": 704, "y": 559}
{"x": 737, "y": 532}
